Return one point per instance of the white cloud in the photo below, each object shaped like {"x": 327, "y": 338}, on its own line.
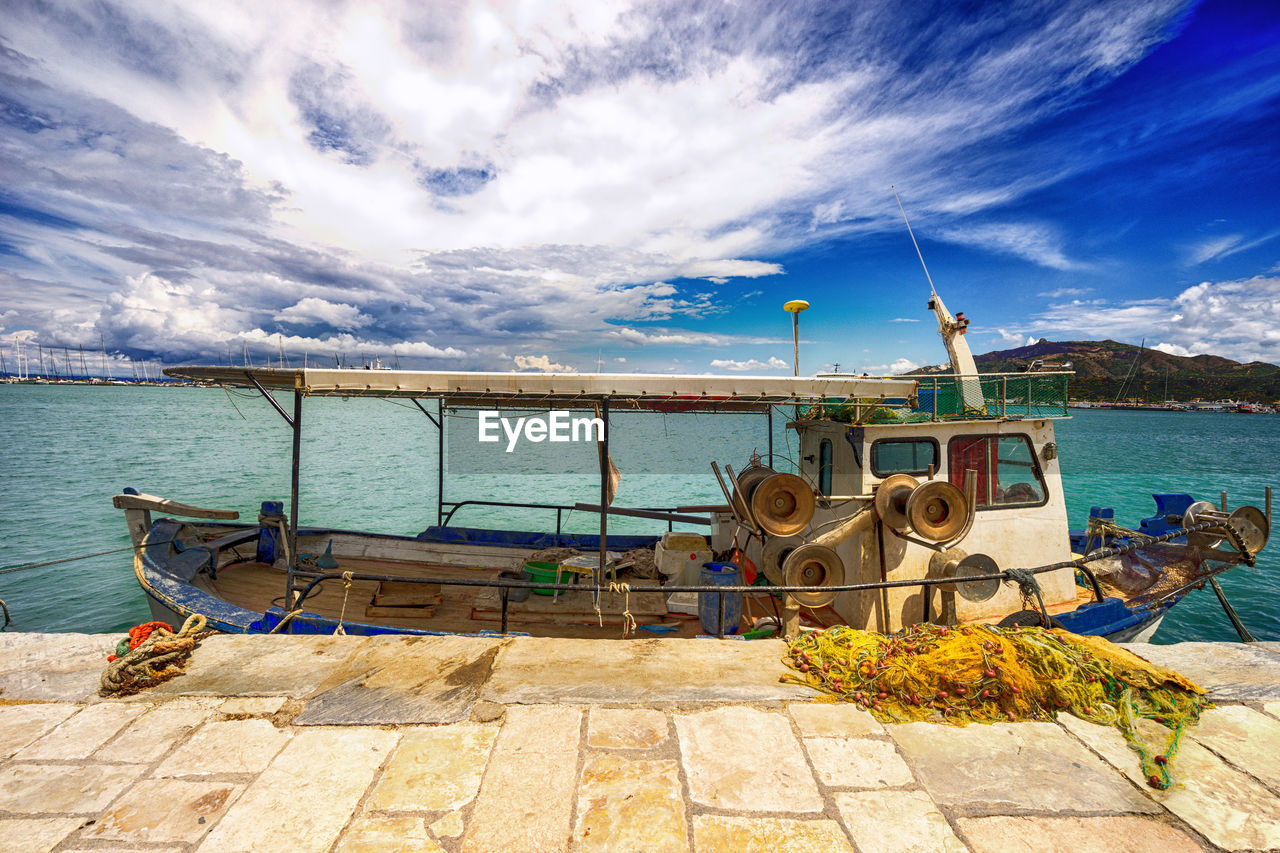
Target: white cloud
{"x": 1064, "y": 291}
{"x": 1173, "y": 349}
{"x": 541, "y": 363}
{"x": 896, "y": 367}
{"x": 1216, "y": 248}
{"x": 466, "y": 170}
{"x": 1012, "y": 338}
{"x": 904, "y": 320}
{"x": 774, "y": 363}
{"x": 314, "y": 310}
{"x": 1038, "y": 243}
{"x": 1237, "y": 319}
{"x": 680, "y": 337}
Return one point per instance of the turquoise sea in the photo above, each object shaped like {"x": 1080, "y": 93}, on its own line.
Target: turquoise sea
{"x": 370, "y": 464}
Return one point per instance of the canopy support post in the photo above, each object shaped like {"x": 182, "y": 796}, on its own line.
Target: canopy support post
{"x": 604, "y": 485}
{"x": 296, "y": 424}
{"x": 440, "y": 464}
{"x": 769, "y": 418}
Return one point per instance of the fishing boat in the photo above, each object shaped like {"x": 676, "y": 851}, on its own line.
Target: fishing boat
{"x": 935, "y": 498}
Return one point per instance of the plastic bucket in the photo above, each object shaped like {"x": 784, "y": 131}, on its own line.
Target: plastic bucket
{"x": 543, "y": 573}
{"x": 517, "y": 593}
{"x": 720, "y": 574}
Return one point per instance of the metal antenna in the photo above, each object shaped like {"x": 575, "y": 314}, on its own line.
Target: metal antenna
{"x": 913, "y": 241}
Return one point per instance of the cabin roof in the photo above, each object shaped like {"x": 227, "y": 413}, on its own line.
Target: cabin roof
{"x": 561, "y": 390}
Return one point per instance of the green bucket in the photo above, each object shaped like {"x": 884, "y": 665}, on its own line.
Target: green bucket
{"x": 543, "y": 573}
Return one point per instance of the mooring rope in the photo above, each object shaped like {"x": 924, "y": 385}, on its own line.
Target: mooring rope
{"x": 346, "y": 591}
{"x": 155, "y": 654}
{"x": 628, "y": 621}
{"x": 73, "y": 559}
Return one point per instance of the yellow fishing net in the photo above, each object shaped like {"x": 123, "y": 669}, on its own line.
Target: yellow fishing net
{"x": 985, "y": 674}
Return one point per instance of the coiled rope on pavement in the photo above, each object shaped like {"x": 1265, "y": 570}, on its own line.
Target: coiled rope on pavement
{"x": 155, "y": 654}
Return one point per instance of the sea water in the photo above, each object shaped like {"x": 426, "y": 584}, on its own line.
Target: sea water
{"x": 371, "y": 465}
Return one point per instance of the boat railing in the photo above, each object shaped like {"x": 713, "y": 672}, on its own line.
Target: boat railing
{"x": 669, "y": 515}
{"x": 1030, "y": 394}
{"x": 1023, "y": 577}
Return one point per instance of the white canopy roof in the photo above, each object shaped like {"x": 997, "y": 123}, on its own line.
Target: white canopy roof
{"x": 562, "y": 390}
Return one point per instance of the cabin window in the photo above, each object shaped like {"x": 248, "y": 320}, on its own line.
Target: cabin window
{"x": 824, "y": 467}
{"x": 1008, "y": 473}
{"x": 903, "y": 456}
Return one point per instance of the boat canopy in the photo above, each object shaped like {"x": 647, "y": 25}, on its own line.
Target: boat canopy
{"x": 562, "y": 390}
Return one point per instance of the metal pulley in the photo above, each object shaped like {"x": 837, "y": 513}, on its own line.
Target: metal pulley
{"x": 937, "y": 511}
{"x": 891, "y": 499}
{"x": 774, "y": 554}
{"x": 957, "y": 565}
{"x": 782, "y": 504}
{"x": 815, "y": 566}
{"x": 1249, "y": 523}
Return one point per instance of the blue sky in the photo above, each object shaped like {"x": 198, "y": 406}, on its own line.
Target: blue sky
{"x": 557, "y": 185}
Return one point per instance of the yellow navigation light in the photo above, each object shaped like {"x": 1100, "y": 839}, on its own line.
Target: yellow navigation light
{"x": 794, "y": 307}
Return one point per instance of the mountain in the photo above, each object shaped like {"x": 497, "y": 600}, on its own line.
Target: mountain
{"x": 1101, "y": 367}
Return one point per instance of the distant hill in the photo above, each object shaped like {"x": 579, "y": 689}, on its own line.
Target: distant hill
{"x": 1101, "y": 368}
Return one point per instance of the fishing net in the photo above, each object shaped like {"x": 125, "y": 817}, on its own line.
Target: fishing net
{"x": 986, "y": 674}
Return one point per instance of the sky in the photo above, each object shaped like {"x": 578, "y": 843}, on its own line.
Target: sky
{"x": 584, "y": 186}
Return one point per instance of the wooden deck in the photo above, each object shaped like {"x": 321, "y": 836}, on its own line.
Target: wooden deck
{"x": 461, "y": 609}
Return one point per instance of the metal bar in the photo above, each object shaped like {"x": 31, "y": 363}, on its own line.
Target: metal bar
{"x": 1245, "y": 636}
{"x": 318, "y": 578}
{"x": 643, "y": 513}
{"x": 559, "y": 515}
{"x": 769, "y": 417}
{"x": 720, "y": 615}
{"x": 296, "y": 423}
{"x": 1268, "y": 505}
{"x": 440, "y": 466}
{"x": 505, "y": 593}
{"x": 430, "y": 416}
{"x": 270, "y": 399}
{"x": 604, "y": 488}
{"x": 1224, "y": 501}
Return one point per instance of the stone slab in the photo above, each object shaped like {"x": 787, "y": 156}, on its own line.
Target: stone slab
{"x": 744, "y": 759}
{"x": 898, "y": 822}
{"x": 53, "y": 667}
{"x": 627, "y": 804}
{"x": 851, "y": 762}
{"x": 154, "y": 733}
{"x": 165, "y": 810}
{"x": 1006, "y": 767}
{"x": 1231, "y": 672}
{"x": 626, "y": 728}
{"x": 727, "y": 834}
{"x": 1272, "y": 708}
{"x": 1222, "y": 804}
{"x": 83, "y": 733}
{"x": 22, "y": 724}
{"x": 1246, "y": 738}
{"x": 433, "y": 680}
{"x": 253, "y": 706}
{"x": 833, "y": 719}
{"x": 47, "y": 789}
{"x": 257, "y": 665}
{"x": 304, "y": 799}
{"x": 526, "y": 797}
{"x": 531, "y": 670}
{"x": 36, "y": 835}
{"x": 227, "y": 746}
{"x": 434, "y": 768}
{"x": 373, "y": 833}
{"x": 1113, "y": 834}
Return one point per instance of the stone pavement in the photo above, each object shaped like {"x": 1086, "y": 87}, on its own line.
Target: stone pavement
{"x": 520, "y": 744}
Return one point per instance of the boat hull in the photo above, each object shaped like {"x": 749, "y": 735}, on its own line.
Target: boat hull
{"x": 174, "y": 590}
